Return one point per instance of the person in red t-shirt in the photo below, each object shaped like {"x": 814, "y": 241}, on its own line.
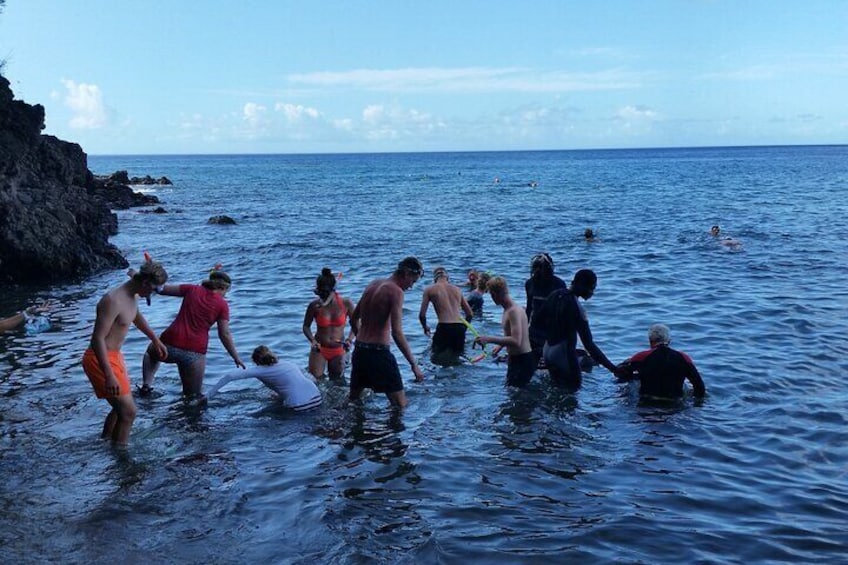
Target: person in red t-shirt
{"x": 187, "y": 338}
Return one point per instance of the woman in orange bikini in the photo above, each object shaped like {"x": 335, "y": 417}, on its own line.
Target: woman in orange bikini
{"x": 330, "y": 312}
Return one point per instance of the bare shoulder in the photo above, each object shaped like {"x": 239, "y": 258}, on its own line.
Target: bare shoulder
{"x": 108, "y": 300}
{"x": 515, "y": 312}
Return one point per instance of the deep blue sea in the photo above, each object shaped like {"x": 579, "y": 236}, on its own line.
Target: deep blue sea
{"x": 471, "y": 470}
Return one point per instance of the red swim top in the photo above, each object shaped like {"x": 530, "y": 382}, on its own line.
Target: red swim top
{"x": 324, "y": 320}
{"x": 200, "y": 310}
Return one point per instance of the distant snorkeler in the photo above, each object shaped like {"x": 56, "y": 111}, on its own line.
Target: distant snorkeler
{"x": 589, "y": 234}
{"x": 726, "y": 241}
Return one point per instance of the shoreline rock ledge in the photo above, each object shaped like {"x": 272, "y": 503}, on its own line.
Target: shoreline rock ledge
{"x": 55, "y": 216}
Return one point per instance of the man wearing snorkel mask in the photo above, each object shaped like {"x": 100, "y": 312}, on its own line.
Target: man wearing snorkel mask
{"x": 103, "y": 361}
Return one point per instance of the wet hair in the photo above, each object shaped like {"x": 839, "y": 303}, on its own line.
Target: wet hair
{"x": 659, "y": 334}
{"x": 585, "y": 278}
{"x": 588, "y": 233}
{"x": 483, "y": 281}
{"x": 218, "y": 280}
{"x": 542, "y": 264}
{"x": 439, "y": 273}
{"x": 409, "y": 265}
{"x": 715, "y": 230}
{"x": 326, "y": 279}
{"x": 152, "y": 271}
{"x": 262, "y": 355}
{"x": 497, "y": 285}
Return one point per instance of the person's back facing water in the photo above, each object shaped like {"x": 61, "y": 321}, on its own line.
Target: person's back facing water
{"x": 450, "y": 304}
{"x": 661, "y": 370}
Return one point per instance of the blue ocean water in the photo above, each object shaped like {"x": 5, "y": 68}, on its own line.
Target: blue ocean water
{"x": 470, "y": 470}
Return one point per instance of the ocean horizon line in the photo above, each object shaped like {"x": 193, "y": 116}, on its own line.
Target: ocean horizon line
{"x": 481, "y": 151}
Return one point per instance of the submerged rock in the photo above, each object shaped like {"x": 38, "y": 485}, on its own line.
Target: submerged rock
{"x": 221, "y": 220}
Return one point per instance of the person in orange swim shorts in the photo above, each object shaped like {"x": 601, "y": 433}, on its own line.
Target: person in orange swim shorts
{"x": 103, "y": 362}
{"x": 95, "y": 373}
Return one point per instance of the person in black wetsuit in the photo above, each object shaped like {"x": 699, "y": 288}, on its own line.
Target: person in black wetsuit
{"x": 563, "y": 318}
{"x": 661, "y": 369}
{"x": 538, "y": 287}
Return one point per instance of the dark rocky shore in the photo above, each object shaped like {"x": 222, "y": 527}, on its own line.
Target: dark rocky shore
{"x": 55, "y": 215}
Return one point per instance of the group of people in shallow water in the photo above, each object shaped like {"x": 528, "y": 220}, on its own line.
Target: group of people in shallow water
{"x": 541, "y": 335}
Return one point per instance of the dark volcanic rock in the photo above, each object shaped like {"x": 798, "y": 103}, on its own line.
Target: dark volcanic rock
{"x": 55, "y": 217}
{"x": 118, "y": 195}
{"x": 157, "y": 210}
{"x": 221, "y": 220}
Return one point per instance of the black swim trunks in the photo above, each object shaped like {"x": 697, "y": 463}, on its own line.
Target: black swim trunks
{"x": 449, "y": 338}
{"x": 520, "y": 369}
{"x": 374, "y": 367}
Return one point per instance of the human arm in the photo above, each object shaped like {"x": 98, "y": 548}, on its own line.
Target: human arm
{"x": 466, "y": 307}
{"x": 515, "y": 326}
{"x": 354, "y": 318}
{"x": 503, "y": 341}
{"x": 12, "y": 322}
{"x": 585, "y": 334}
{"x": 352, "y": 333}
{"x": 308, "y": 318}
{"x": 141, "y": 323}
{"x": 528, "y": 292}
{"x": 234, "y": 376}
{"x": 627, "y": 371}
{"x": 107, "y": 313}
{"x": 396, "y": 317}
{"x": 422, "y": 312}
{"x": 171, "y": 290}
{"x": 694, "y": 378}
{"x": 226, "y": 338}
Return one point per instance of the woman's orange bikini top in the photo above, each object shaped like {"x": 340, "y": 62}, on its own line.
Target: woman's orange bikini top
{"x": 324, "y": 320}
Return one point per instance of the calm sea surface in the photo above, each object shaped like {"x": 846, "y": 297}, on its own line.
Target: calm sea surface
{"x": 471, "y": 470}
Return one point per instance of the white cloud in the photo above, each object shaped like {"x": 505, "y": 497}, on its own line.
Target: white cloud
{"x": 254, "y": 114}
{"x": 636, "y": 113}
{"x": 635, "y": 120}
{"x": 86, "y": 102}
{"x": 470, "y": 79}
{"x": 373, "y": 113}
{"x": 297, "y": 112}
{"x": 380, "y": 122}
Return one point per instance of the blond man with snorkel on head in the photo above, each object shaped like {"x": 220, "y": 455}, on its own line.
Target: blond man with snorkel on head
{"x": 103, "y": 361}
{"x": 521, "y": 362}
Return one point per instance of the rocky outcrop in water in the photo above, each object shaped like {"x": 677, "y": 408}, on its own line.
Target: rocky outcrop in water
{"x": 222, "y": 220}
{"x": 55, "y": 217}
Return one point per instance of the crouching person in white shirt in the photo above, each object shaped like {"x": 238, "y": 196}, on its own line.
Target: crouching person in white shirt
{"x": 296, "y": 390}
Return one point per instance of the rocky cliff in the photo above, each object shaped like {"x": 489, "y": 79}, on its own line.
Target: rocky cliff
{"x": 55, "y": 217}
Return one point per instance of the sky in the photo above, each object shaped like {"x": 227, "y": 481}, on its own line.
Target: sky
{"x": 278, "y": 76}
